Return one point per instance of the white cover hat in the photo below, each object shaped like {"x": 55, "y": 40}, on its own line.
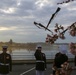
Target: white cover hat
{"x": 4, "y": 46}
{"x": 38, "y": 46}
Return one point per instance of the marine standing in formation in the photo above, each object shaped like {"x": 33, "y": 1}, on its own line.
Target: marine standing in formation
{"x": 40, "y": 61}
{"x": 5, "y": 62}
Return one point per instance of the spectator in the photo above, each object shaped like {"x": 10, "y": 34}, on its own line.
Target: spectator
{"x": 72, "y": 47}
{"x": 60, "y": 58}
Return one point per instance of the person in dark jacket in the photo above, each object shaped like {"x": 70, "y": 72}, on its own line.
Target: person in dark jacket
{"x": 40, "y": 61}
{"x": 72, "y": 48}
{"x": 75, "y": 60}
{"x": 5, "y": 62}
{"x": 60, "y": 58}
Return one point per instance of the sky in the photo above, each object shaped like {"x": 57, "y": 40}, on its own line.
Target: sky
{"x": 17, "y": 19}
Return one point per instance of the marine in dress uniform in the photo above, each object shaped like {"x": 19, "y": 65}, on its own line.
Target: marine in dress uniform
{"x": 40, "y": 61}
{"x": 5, "y": 62}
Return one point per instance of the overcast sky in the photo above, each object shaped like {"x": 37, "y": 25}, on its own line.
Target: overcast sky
{"x": 17, "y": 17}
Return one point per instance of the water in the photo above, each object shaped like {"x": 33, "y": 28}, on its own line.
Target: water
{"x": 24, "y": 54}
{"x": 29, "y": 55}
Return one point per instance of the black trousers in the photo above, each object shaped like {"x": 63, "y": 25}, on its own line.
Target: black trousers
{"x": 75, "y": 60}
{"x": 54, "y": 72}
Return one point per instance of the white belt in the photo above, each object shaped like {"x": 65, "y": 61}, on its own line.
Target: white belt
{"x": 40, "y": 61}
{"x": 3, "y": 64}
